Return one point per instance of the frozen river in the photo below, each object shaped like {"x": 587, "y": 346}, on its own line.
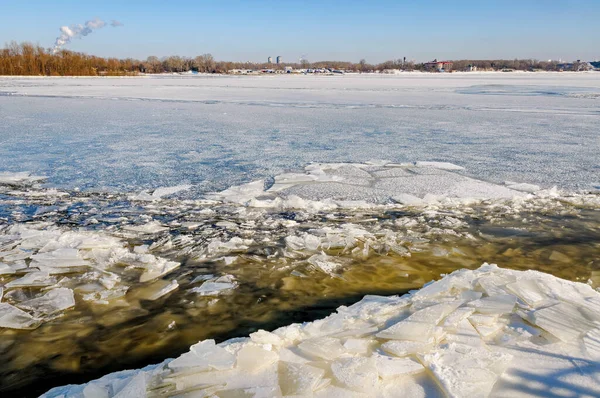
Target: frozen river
{"x": 141, "y": 215}
{"x": 212, "y": 132}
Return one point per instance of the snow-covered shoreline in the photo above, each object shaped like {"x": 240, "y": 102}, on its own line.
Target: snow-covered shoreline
{"x": 484, "y": 332}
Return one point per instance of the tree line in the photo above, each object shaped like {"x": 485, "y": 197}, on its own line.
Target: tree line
{"x": 26, "y": 59}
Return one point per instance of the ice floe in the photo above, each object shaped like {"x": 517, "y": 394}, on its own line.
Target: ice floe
{"x": 330, "y": 185}
{"x": 475, "y": 333}
{"x": 46, "y": 270}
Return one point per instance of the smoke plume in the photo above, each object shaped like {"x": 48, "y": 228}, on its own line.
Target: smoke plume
{"x": 67, "y": 33}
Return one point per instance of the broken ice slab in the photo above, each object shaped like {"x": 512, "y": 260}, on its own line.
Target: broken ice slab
{"x": 562, "y": 320}
{"x": 452, "y": 320}
{"x": 202, "y": 356}
{"x": 135, "y": 387}
{"x": 298, "y": 379}
{"x": 156, "y": 290}
{"x": 358, "y": 346}
{"x": 403, "y": 348}
{"x": 6, "y": 269}
{"x": 322, "y": 347}
{"x": 388, "y": 367}
{"x": 407, "y": 330}
{"x": 54, "y": 301}
{"x": 529, "y": 291}
{"x": 421, "y": 325}
{"x": 325, "y": 263}
{"x": 213, "y": 288}
{"x": 463, "y": 371}
{"x": 465, "y": 334}
{"x": 494, "y": 285}
{"x": 523, "y": 187}
{"x": 157, "y": 269}
{"x": 500, "y": 304}
{"x": 63, "y": 257}
{"x": 32, "y": 279}
{"x": 357, "y": 373}
{"x": 252, "y": 358}
{"x": 486, "y": 325}
{"x": 13, "y": 318}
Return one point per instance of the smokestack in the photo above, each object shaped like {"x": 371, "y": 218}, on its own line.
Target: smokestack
{"x": 78, "y": 31}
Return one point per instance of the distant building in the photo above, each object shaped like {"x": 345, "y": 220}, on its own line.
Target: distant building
{"x": 270, "y": 60}
{"x": 279, "y": 60}
{"x": 439, "y": 66}
{"x": 595, "y": 65}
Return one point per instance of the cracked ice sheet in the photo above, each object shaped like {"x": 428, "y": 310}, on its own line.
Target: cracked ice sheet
{"x": 347, "y": 355}
{"x": 407, "y": 183}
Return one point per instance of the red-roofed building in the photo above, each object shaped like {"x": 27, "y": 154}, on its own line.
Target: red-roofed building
{"x": 440, "y": 66}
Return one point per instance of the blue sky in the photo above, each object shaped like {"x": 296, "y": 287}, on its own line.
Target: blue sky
{"x": 321, "y": 30}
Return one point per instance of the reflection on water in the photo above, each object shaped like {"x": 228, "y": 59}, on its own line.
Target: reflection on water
{"x": 267, "y": 280}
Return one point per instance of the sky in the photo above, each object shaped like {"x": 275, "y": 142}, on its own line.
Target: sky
{"x": 350, "y": 30}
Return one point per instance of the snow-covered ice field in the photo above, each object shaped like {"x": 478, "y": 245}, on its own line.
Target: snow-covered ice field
{"x": 214, "y": 132}
{"x": 139, "y": 216}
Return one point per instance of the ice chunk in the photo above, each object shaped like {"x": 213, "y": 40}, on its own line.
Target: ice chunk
{"x": 407, "y": 330}
{"x": 13, "y": 318}
{"x": 298, "y": 379}
{"x": 562, "y": 320}
{"x": 435, "y": 313}
{"x": 157, "y": 290}
{"x": 392, "y": 367}
{"x": 357, "y": 374}
{"x": 6, "y": 269}
{"x": 524, "y": 187}
{"x": 358, "y": 346}
{"x": 464, "y": 371}
{"x": 406, "y": 348}
{"x": 452, "y": 320}
{"x": 264, "y": 337}
{"x": 135, "y": 388}
{"x": 407, "y": 199}
{"x": 254, "y": 359}
{"x": 33, "y": 279}
{"x": 325, "y": 263}
{"x": 213, "y": 288}
{"x": 528, "y": 291}
{"x": 54, "y": 301}
{"x": 204, "y": 356}
{"x": 501, "y": 304}
{"x": 157, "y": 269}
{"x": 465, "y": 334}
{"x": 420, "y": 326}
{"x": 167, "y": 191}
{"x": 95, "y": 390}
{"x": 64, "y": 257}
{"x": 322, "y": 347}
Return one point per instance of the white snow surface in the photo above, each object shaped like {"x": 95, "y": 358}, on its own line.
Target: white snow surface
{"x": 475, "y": 333}
{"x": 141, "y": 134}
